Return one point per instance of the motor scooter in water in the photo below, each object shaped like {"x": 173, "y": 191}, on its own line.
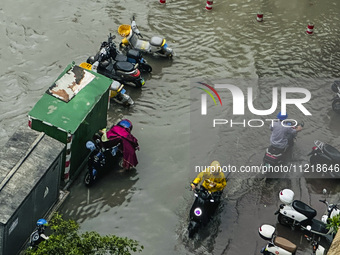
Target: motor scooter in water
{"x": 132, "y": 56}
{"x": 117, "y": 91}
{"x": 116, "y": 143}
{"x": 280, "y": 245}
{"x": 324, "y": 154}
{"x": 276, "y": 156}
{"x": 203, "y": 208}
{"x": 156, "y": 46}
{"x": 336, "y": 99}
{"x": 295, "y": 213}
{"x": 122, "y": 71}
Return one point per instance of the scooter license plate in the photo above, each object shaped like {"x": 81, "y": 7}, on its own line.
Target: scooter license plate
{"x": 143, "y": 82}
{"x": 165, "y": 46}
{"x": 263, "y": 249}
{"x": 123, "y": 91}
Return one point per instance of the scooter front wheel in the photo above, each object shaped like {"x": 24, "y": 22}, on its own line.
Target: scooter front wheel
{"x": 88, "y": 179}
{"x": 146, "y": 68}
{"x": 192, "y": 228}
{"x": 139, "y": 83}
{"x": 336, "y": 105}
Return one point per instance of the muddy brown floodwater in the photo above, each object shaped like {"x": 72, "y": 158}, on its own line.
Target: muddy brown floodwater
{"x": 151, "y": 204}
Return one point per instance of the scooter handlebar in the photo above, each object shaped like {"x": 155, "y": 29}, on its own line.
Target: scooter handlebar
{"x": 111, "y": 37}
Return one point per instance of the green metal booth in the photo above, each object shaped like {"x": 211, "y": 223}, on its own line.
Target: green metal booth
{"x": 71, "y": 111}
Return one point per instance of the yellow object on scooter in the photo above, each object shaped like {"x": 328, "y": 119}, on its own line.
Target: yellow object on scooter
{"x": 86, "y": 66}
{"x": 104, "y": 136}
{"x": 124, "y": 30}
{"x": 125, "y": 41}
{"x": 113, "y": 93}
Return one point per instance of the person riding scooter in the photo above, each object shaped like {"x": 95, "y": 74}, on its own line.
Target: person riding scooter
{"x": 213, "y": 178}
{"x": 128, "y": 144}
{"x": 38, "y": 234}
{"x": 207, "y": 197}
{"x": 282, "y": 134}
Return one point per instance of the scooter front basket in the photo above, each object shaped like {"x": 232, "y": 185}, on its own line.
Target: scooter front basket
{"x": 124, "y": 30}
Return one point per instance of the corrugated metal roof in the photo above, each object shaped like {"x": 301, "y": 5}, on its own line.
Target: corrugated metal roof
{"x": 24, "y": 159}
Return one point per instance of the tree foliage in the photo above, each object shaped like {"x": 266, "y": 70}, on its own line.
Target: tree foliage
{"x": 333, "y": 224}
{"x": 65, "y": 239}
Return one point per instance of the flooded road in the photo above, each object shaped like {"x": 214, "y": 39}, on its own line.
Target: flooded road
{"x": 151, "y": 204}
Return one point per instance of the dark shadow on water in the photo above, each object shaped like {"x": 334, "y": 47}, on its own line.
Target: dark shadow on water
{"x": 112, "y": 188}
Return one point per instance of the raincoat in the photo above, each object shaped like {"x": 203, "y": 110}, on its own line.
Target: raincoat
{"x": 128, "y": 142}
{"x": 210, "y": 178}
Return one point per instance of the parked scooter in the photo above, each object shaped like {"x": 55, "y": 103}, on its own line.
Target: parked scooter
{"x": 203, "y": 208}
{"x": 295, "y": 213}
{"x": 117, "y": 91}
{"x": 38, "y": 235}
{"x": 156, "y": 46}
{"x": 132, "y": 56}
{"x": 336, "y": 99}
{"x": 121, "y": 71}
{"x": 280, "y": 245}
{"x": 324, "y": 155}
{"x": 276, "y": 156}
{"x": 116, "y": 142}
{"x": 332, "y": 209}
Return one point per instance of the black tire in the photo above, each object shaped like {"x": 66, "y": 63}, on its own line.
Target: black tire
{"x": 336, "y": 105}
{"x": 88, "y": 179}
{"x": 284, "y": 220}
{"x": 138, "y": 83}
{"x": 192, "y": 228}
{"x": 146, "y": 68}
{"x": 122, "y": 46}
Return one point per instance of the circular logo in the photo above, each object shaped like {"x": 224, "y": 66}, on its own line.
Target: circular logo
{"x": 35, "y": 236}
{"x": 198, "y": 211}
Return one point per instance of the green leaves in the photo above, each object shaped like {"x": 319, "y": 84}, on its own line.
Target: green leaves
{"x": 66, "y": 240}
{"x": 333, "y": 224}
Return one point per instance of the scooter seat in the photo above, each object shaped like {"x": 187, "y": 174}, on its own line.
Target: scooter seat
{"x": 303, "y": 208}
{"x": 285, "y": 244}
{"x": 332, "y": 152}
{"x": 134, "y": 54}
{"x": 156, "y": 41}
{"x": 124, "y": 66}
{"x": 274, "y": 150}
{"x": 121, "y": 58}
